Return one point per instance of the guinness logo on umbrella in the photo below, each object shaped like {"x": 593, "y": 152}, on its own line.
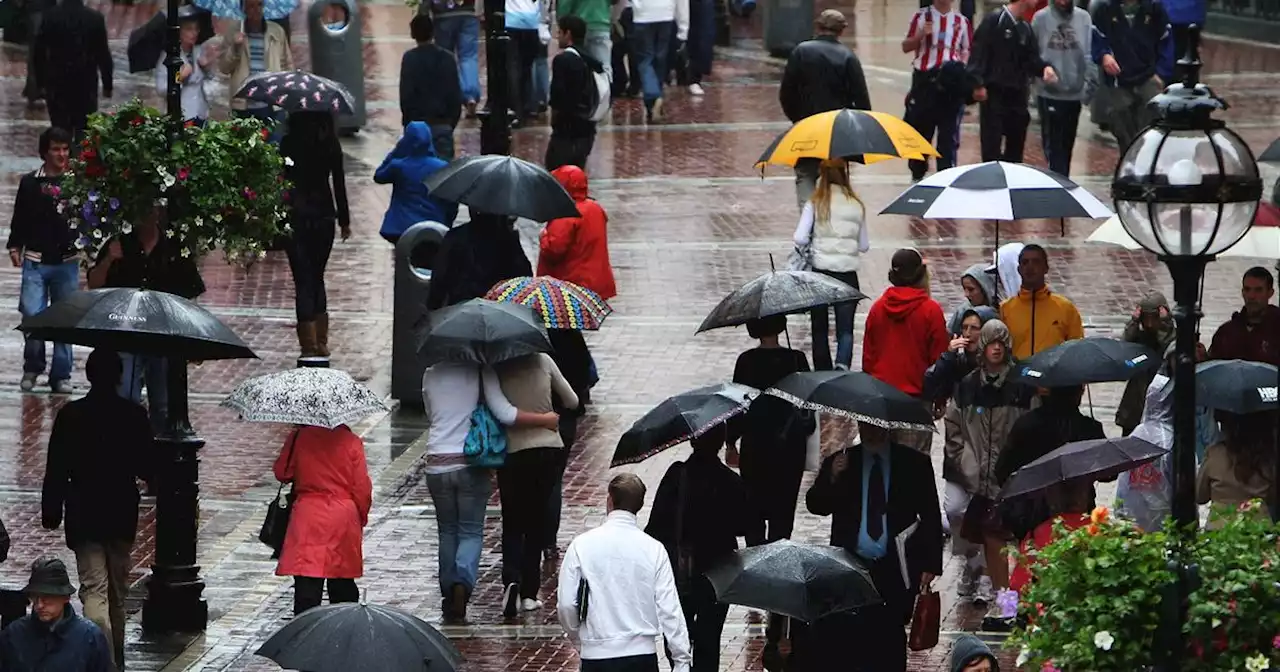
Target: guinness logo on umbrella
{"x": 126, "y": 318}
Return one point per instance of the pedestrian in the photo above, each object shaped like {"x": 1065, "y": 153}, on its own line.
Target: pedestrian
{"x": 979, "y": 289}
{"x": 457, "y": 31}
{"x": 1144, "y": 494}
{"x": 318, "y": 197}
{"x": 970, "y": 654}
{"x": 474, "y": 257}
{"x": 451, "y": 394}
{"x": 429, "y": 91}
{"x": 598, "y": 16}
{"x": 875, "y": 492}
{"x": 526, "y": 479}
{"x": 833, "y": 227}
{"x": 702, "y": 42}
{"x": 699, "y": 511}
{"x": 91, "y": 486}
{"x": 821, "y": 75}
{"x": 194, "y": 71}
{"x": 1006, "y": 57}
{"x": 331, "y": 494}
{"x": 978, "y": 423}
{"x": 258, "y": 46}
{"x": 961, "y": 357}
{"x": 33, "y": 14}
{"x": 71, "y": 51}
{"x": 1132, "y": 43}
{"x": 52, "y": 636}
{"x": 576, "y": 249}
{"x": 1253, "y": 332}
{"x": 574, "y": 97}
{"x": 938, "y": 36}
{"x": 569, "y": 352}
{"x": 616, "y": 591}
{"x": 653, "y": 23}
{"x": 1038, "y": 318}
{"x": 525, "y": 19}
{"x": 43, "y": 245}
{"x": 1069, "y": 504}
{"x": 774, "y": 435}
{"x": 1064, "y": 33}
{"x": 1240, "y": 468}
{"x": 904, "y": 335}
{"x": 626, "y": 72}
{"x": 542, "y": 73}
{"x": 406, "y": 169}
{"x": 1150, "y": 325}
{"x": 146, "y": 258}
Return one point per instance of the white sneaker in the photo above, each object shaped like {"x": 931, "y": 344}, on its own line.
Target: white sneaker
{"x": 528, "y": 604}
{"x": 28, "y": 382}
{"x": 696, "y": 89}
{"x": 985, "y": 594}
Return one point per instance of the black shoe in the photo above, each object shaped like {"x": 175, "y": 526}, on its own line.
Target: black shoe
{"x": 511, "y": 600}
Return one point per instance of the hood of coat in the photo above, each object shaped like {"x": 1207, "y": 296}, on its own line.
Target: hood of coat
{"x": 992, "y": 331}
{"x": 574, "y": 181}
{"x": 1006, "y": 267}
{"x": 968, "y": 650}
{"x": 900, "y": 302}
{"x": 1157, "y": 415}
{"x": 985, "y": 280}
{"x": 416, "y": 141}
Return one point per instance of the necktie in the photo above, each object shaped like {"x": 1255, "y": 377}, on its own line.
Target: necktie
{"x": 875, "y": 499}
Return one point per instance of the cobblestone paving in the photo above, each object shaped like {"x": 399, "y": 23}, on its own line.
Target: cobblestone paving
{"x": 690, "y": 220}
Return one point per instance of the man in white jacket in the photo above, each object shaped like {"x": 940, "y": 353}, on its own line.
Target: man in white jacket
{"x": 624, "y": 577}
{"x": 651, "y": 33}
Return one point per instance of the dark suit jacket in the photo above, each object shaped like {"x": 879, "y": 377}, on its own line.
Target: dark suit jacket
{"x": 913, "y": 496}
{"x": 70, "y": 52}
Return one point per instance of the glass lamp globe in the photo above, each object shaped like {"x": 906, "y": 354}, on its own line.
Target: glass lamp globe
{"x": 1187, "y": 192}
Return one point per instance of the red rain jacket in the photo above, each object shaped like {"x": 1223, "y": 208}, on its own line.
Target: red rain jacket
{"x": 576, "y": 249}
{"x": 904, "y": 335}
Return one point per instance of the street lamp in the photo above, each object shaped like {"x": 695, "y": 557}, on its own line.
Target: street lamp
{"x": 1186, "y": 189}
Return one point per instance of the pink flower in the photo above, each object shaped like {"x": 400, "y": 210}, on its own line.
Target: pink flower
{"x": 183, "y": 173}
{"x": 1048, "y": 667}
{"x": 1275, "y": 643}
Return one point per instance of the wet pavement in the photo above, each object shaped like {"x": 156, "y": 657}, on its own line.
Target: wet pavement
{"x": 690, "y": 220}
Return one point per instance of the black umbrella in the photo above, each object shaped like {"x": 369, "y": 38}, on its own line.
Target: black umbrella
{"x": 681, "y": 418}
{"x": 147, "y": 42}
{"x": 1236, "y": 386}
{"x": 1095, "y": 459}
{"x": 1272, "y": 153}
{"x": 358, "y": 637}
{"x": 481, "y": 332}
{"x": 797, "y": 580}
{"x": 138, "y": 321}
{"x": 779, "y": 293}
{"x": 503, "y": 185}
{"x": 856, "y": 395}
{"x": 298, "y": 91}
{"x": 1087, "y": 360}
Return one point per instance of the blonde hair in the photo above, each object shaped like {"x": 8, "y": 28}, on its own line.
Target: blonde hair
{"x": 832, "y": 173}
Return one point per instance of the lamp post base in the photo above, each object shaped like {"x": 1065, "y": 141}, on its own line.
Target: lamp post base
{"x": 175, "y": 601}
{"x": 313, "y": 362}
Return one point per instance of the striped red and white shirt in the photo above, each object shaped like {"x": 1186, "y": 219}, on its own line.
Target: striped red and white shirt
{"x": 952, "y": 37}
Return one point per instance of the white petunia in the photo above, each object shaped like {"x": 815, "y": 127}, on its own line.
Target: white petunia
{"x": 1103, "y": 640}
{"x": 1258, "y": 663}
{"x": 126, "y": 228}
{"x": 288, "y": 161}
{"x": 1023, "y": 656}
{"x": 97, "y": 233}
{"x": 186, "y": 252}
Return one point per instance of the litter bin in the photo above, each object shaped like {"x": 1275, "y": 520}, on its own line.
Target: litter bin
{"x": 786, "y": 24}
{"x": 337, "y": 52}
{"x": 415, "y": 256}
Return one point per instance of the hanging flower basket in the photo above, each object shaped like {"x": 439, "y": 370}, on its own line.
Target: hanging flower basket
{"x": 223, "y": 183}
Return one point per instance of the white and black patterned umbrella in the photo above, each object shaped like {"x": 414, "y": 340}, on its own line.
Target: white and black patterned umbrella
{"x": 997, "y": 190}
{"x": 297, "y": 91}
{"x": 307, "y": 396}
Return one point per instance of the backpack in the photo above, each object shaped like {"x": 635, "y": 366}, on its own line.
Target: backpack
{"x": 596, "y": 104}
{"x": 486, "y": 442}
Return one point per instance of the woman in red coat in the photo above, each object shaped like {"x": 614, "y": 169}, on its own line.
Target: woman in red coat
{"x": 576, "y": 249}
{"x": 333, "y": 494}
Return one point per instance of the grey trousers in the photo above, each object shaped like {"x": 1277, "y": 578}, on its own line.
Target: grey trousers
{"x": 1126, "y": 109}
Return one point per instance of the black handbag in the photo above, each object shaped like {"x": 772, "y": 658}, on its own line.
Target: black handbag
{"x": 276, "y": 524}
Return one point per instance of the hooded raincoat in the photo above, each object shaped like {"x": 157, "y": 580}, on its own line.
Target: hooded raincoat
{"x": 941, "y": 379}
{"x": 904, "y": 335}
{"x": 1145, "y": 495}
{"x": 576, "y": 249}
{"x": 405, "y": 169}
{"x": 1006, "y": 267}
{"x": 987, "y": 282}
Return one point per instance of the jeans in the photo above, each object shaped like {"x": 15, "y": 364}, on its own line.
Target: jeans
{"x": 273, "y": 118}
{"x": 643, "y": 663}
{"x": 154, "y": 372}
{"x": 104, "y": 585}
{"x": 929, "y": 116}
{"x": 1058, "y": 122}
{"x": 650, "y": 43}
{"x": 308, "y": 252}
{"x": 523, "y": 51}
{"x": 459, "y": 498}
{"x": 702, "y": 38}
{"x": 599, "y": 45}
{"x": 1002, "y": 125}
{"x": 460, "y": 36}
{"x": 524, "y": 484}
{"x": 43, "y": 284}
{"x": 541, "y": 79}
{"x": 308, "y": 591}
{"x": 442, "y": 140}
{"x": 844, "y": 327}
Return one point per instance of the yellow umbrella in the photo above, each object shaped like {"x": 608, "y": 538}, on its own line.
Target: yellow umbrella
{"x": 857, "y": 135}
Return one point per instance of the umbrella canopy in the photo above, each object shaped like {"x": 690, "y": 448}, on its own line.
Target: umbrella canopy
{"x": 480, "y": 331}
{"x": 681, "y": 418}
{"x": 307, "y": 396}
{"x": 997, "y": 190}
{"x": 1261, "y": 241}
{"x": 147, "y": 42}
{"x": 778, "y": 293}
{"x": 1095, "y": 459}
{"x": 272, "y": 10}
{"x": 1236, "y": 386}
{"x": 1087, "y": 360}
{"x": 298, "y": 91}
{"x": 797, "y": 580}
{"x": 856, "y": 395}
{"x": 1272, "y": 153}
{"x": 358, "y": 637}
{"x": 857, "y": 135}
{"x": 503, "y": 185}
{"x": 560, "y": 303}
{"x": 138, "y": 321}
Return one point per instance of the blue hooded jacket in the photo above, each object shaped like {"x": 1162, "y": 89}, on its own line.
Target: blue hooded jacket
{"x": 405, "y": 169}
{"x": 72, "y": 643}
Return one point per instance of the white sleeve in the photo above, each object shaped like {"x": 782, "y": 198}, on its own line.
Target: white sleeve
{"x": 864, "y": 235}
{"x": 567, "y": 592}
{"x": 559, "y": 385}
{"x": 491, "y": 393}
{"x": 682, "y": 20}
{"x": 675, "y": 633}
{"x": 804, "y": 228}
{"x": 162, "y": 77}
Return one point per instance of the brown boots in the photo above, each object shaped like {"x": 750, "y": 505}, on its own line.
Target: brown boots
{"x": 313, "y": 337}
{"x": 322, "y": 334}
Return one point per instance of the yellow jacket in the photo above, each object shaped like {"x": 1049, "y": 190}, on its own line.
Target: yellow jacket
{"x": 1052, "y": 317}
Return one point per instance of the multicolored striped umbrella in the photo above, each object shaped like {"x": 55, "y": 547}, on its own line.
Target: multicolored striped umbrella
{"x": 560, "y": 304}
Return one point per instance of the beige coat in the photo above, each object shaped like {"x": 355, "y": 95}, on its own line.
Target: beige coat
{"x": 529, "y": 382}
{"x": 235, "y": 58}
{"x": 1217, "y": 484}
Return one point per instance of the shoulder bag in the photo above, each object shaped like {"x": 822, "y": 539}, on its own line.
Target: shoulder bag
{"x": 486, "y": 442}
{"x": 276, "y": 523}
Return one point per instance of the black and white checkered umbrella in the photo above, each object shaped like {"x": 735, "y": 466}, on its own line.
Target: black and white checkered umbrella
{"x": 997, "y": 190}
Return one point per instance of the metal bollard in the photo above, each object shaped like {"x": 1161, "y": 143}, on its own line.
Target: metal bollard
{"x": 415, "y": 257}
{"x": 337, "y": 52}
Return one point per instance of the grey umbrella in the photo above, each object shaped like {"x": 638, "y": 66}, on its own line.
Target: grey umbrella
{"x": 503, "y": 185}
{"x": 1095, "y": 459}
{"x": 358, "y": 637}
{"x": 1236, "y": 386}
{"x": 480, "y": 331}
{"x": 778, "y": 293}
{"x": 797, "y": 580}
{"x": 1272, "y": 153}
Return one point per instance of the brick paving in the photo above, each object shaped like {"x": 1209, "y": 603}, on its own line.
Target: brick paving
{"x": 690, "y": 219}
